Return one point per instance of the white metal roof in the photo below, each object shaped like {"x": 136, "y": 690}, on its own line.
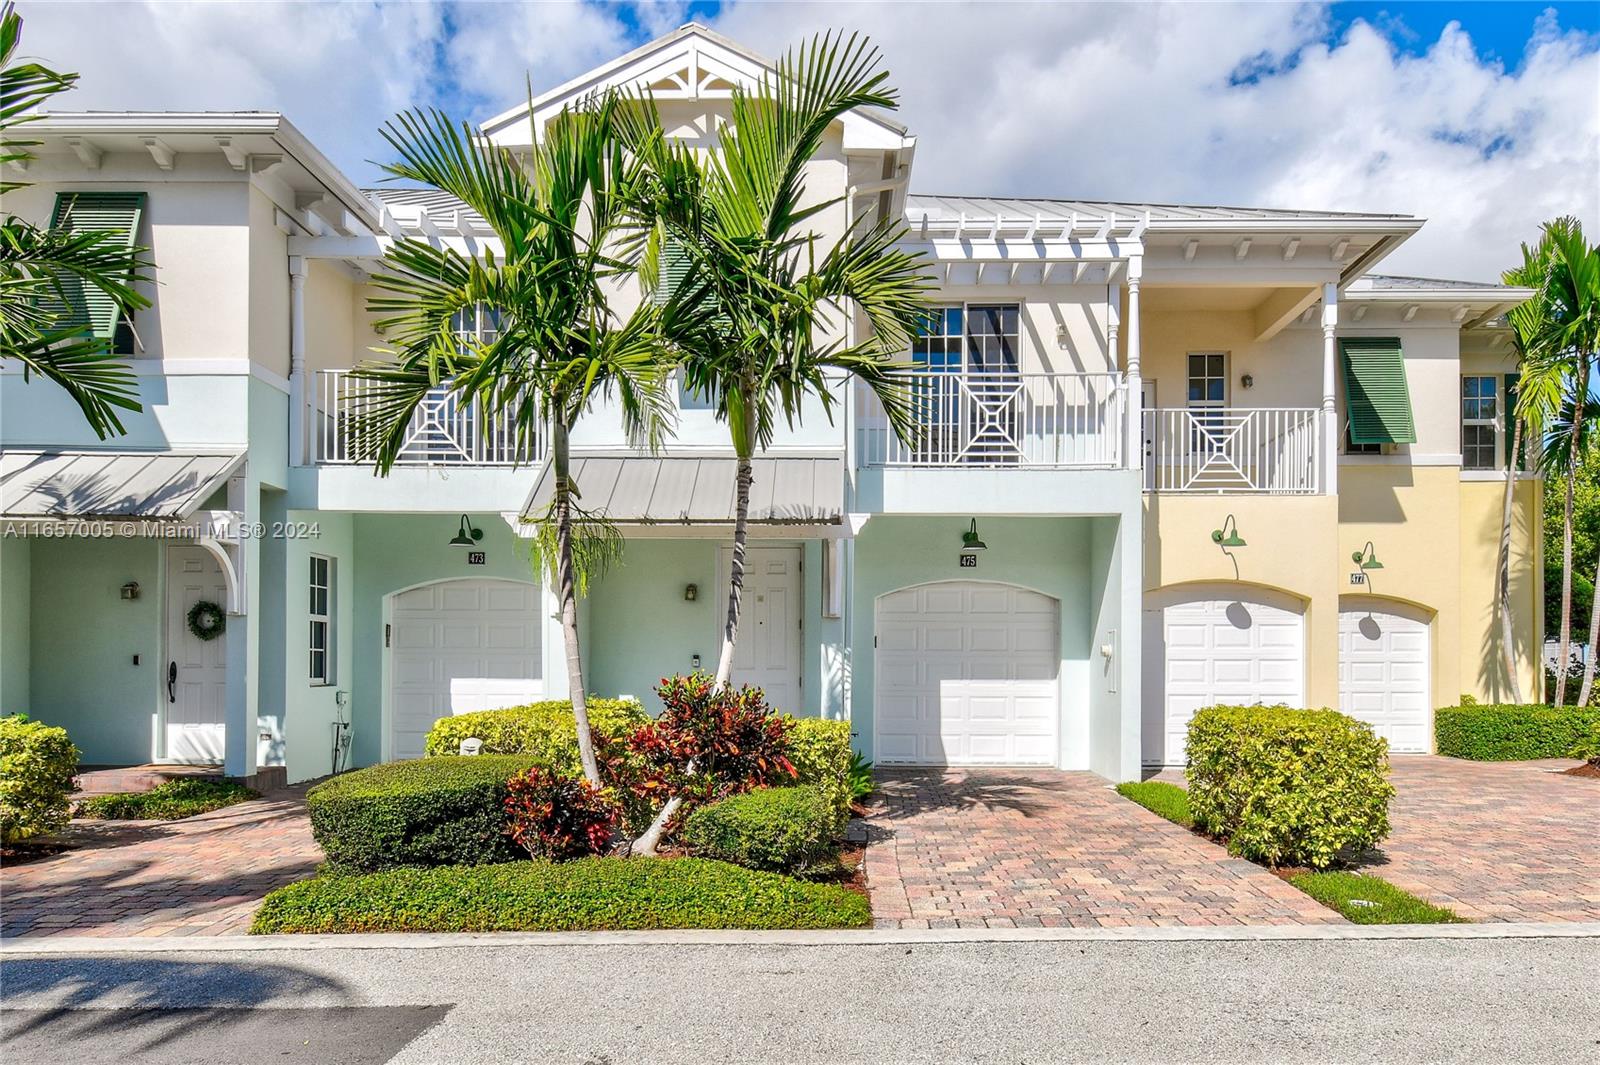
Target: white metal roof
{"x": 937, "y": 210}
{"x": 54, "y": 483}
{"x": 690, "y": 490}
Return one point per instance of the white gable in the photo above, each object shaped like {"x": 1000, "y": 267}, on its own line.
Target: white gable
{"x": 691, "y": 63}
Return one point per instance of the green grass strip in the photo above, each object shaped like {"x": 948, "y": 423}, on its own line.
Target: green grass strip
{"x": 583, "y": 895}
{"x": 1348, "y": 893}
{"x": 169, "y": 801}
{"x": 1160, "y": 797}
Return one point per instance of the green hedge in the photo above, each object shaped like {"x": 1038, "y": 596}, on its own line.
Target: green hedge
{"x": 167, "y": 801}
{"x": 820, "y": 752}
{"x": 780, "y": 829}
{"x": 1504, "y": 733}
{"x": 37, "y": 765}
{"x": 588, "y": 894}
{"x": 1288, "y": 787}
{"x": 544, "y": 730}
{"x": 431, "y": 811}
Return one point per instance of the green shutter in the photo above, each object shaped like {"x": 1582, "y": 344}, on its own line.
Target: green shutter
{"x": 1376, "y": 397}
{"x": 117, "y": 213}
{"x": 674, "y": 270}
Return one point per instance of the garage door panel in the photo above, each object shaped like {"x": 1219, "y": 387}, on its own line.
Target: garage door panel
{"x": 1385, "y": 675}
{"x": 982, "y": 672}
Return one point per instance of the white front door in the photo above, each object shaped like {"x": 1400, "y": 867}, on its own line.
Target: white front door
{"x": 967, "y": 674}
{"x": 1206, "y": 652}
{"x": 767, "y": 655}
{"x": 195, "y": 684}
{"x": 459, "y": 646}
{"x": 1385, "y": 673}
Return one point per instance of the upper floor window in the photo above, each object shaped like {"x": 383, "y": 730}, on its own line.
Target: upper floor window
{"x": 87, "y": 308}
{"x": 476, "y": 325}
{"x": 321, "y": 610}
{"x": 938, "y": 343}
{"x": 1480, "y": 422}
{"x": 970, "y": 339}
{"x": 1208, "y": 379}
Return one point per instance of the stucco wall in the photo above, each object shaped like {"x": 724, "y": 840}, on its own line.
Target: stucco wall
{"x": 310, "y": 709}
{"x": 1482, "y": 670}
{"x": 268, "y": 286}
{"x": 15, "y": 628}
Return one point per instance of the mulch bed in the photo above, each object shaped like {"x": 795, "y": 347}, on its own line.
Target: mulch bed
{"x": 1587, "y": 769}
{"x": 23, "y": 853}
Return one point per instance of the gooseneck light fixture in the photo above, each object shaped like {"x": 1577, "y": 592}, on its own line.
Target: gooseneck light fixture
{"x": 467, "y": 535}
{"x": 1366, "y": 558}
{"x": 1228, "y": 535}
{"x": 970, "y": 544}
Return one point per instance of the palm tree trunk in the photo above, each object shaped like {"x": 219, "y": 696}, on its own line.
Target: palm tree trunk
{"x": 1580, "y": 387}
{"x": 1594, "y": 642}
{"x": 1508, "y": 651}
{"x": 567, "y": 588}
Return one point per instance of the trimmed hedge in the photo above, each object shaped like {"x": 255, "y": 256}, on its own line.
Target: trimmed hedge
{"x": 1505, "y": 733}
{"x": 429, "y": 811}
{"x": 544, "y": 730}
{"x": 779, "y": 829}
{"x": 167, "y": 801}
{"x": 37, "y": 766}
{"x": 588, "y": 894}
{"x": 1285, "y": 786}
{"x": 820, "y": 752}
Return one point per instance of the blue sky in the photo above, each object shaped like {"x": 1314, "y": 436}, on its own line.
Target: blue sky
{"x": 1482, "y": 117}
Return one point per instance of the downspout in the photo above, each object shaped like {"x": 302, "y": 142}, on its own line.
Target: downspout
{"x": 297, "y": 360}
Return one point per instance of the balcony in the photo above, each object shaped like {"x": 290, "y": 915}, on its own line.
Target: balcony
{"x": 1002, "y": 420}
{"x": 1270, "y": 450}
{"x": 445, "y": 429}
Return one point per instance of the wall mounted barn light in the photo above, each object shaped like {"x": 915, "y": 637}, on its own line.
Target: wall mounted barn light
{"x": 970, "y": 544}
{"x": 467, "y": 536}
{"x": 1228, "y": 535}
{"x": 1366, "y": 558}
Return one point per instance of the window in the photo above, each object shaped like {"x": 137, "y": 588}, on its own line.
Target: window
{"x": 692, "y": 398}
{"x": 1480, "y": 423}
{"x": 938, "y": 343}
{"x": 1208, "y": 379}
{"x": 322, "y": 651}
{"x": 87, "y": 308}
{"x": 476, "y": 325}
{"x": 992, "y": 338}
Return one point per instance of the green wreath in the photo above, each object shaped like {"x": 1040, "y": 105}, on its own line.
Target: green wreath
{"x": 206, "y": 620}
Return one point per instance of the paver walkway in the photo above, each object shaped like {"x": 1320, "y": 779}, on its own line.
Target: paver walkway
{"x": 1042, "y": 848}
{"x": 200, "y": 876}
{"x": 1494, "y": 841}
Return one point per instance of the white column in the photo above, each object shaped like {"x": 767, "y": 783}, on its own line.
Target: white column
{"x": 1135, "y": 380}
{"x": 1113, "y": 349}
{"x": 297, "y": 360}
{"x": 1330, "y": 418}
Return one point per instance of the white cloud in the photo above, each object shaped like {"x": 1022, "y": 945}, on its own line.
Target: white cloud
{"x": 1096, "y": 101}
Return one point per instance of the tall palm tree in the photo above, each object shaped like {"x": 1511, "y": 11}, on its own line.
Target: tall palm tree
{"x": 1558, "y": 374}
{"x": 1557, "y": 461}
{"x": 41, "y": 270}
{"x": 559, "y": 217}
{"x": 776, "y": 293}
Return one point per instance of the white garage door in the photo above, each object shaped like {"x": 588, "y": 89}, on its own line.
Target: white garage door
{"x": 1385, "y": 670}
{"x": 967, "y": 674}
{"x": 460, "y": 646}
{"x": 1204, "y": 652}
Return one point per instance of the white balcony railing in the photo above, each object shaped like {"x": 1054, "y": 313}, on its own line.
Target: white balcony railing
{"x": 1005, "y": 420}
{"x": 1230, "y": 449}
{"x": 444, "y": 430}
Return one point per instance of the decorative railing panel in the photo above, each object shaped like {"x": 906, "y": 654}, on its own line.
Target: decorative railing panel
{"x": 445, "y": 429}
{"x": 1231, "y": 449}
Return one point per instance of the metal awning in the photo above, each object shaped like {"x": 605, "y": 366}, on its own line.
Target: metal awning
{"x": 142, "y": 485}
{"x": 695, "y": 491}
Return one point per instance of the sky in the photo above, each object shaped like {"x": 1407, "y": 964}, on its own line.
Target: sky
{"x": 1482, "y": 117}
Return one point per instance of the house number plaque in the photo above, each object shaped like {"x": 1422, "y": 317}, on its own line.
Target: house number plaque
{"x": 475, "y": 558}
{"x": 969, "y": 561}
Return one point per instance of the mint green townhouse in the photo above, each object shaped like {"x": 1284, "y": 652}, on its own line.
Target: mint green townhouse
{"x": 1033, "y": 581}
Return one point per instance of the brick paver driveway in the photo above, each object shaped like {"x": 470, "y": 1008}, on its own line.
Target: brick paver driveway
{"x": 1494, "y": 841}
{"x": 1009, "y": 848}
{"x": 200, "y": 876}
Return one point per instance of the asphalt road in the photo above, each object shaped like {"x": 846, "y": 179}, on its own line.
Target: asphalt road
{"x": 1509, "y": 1000}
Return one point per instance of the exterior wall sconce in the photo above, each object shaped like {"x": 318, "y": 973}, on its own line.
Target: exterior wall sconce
{"x": 130, "y": 590}
{"x": 1228, "y": 535}
{"x": 1366, "y": 558}
{"x": 1248, "y": 380}
{"x": 970, "y": 544}
{"x": 690, "y": 593}
{"x": 467, "y": 535}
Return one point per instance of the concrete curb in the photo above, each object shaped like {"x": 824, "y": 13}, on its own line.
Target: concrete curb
{"x": 81, "y": 945}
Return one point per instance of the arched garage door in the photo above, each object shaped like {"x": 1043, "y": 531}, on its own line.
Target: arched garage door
{"x": 1217, "y": 645}
{"x": 459, "y": 646}
{"x": 967, "y": 674}
{"x": 1385, "y": 673}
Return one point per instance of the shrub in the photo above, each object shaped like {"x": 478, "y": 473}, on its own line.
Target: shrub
{"x": 430, "y": 811}
{"x": 859, "y": 777}
{"x": 544, "y": 730}
{"x": 588, "y": 894}
{"x": 37, "y": 764}
{"x": 1288, "y": 787}
{"x": 730, "y": 739}
{"x": 1503, "y": 733}
{"x": 820, "y": 752}
{"x": 167, "y": 801}
{"x": 558, "y": 818}
{"x": 1588, "y": 746}
{"x": 780, "y": 829}
{"x": 1159, "y": 797}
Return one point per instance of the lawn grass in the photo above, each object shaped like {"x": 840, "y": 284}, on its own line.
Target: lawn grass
{"x": 584, "y": 895}
{"x": 169, "y": 801}
{"x": 1160, "y": 797}
{"x": 1338, "y": 891}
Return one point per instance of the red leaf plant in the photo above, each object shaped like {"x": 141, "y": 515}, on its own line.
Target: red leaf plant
{"x": 558, "y": 818}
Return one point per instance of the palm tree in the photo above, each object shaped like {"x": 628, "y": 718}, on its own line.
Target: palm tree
{"x": 1557, "y": 460}
{"x": 774, "y": 293}
{"x": 559, "y": 217}
{"x": 1557, "y": 374}
{"x": 41, "y": 269}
